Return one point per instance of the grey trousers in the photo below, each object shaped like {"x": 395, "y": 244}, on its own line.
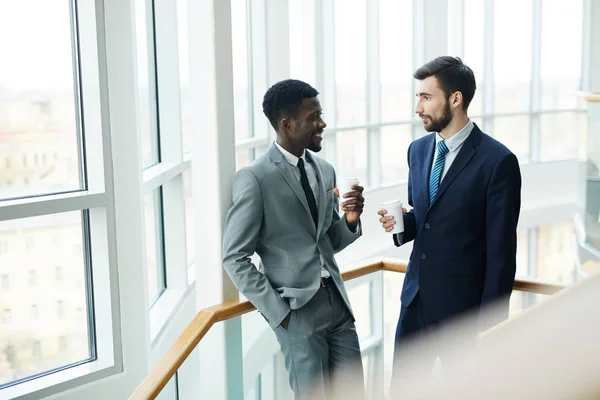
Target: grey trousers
{"x": 321, "y": 350}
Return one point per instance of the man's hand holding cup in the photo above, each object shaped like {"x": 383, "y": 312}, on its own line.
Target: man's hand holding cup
{"x": 391, "y": 216}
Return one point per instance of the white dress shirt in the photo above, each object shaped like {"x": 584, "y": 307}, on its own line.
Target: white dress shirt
{"x": 454, "y": 145}
{"x": 312, "y": 180}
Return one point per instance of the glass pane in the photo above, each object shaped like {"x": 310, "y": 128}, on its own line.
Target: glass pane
{"x": 302, "y": 40}
{"x": 360, "y": 299}
{"x": 240, "y": 67}
{"x": 146, "y": 83}
{"x": 242, "y": 159}
{"x": 44, "y": 314}
{"x": 154, "y": 244}
{"x": 512, "y": 58}
{"x": 392, "y": 287}
{"x": 395, "y": 59}
{"x": 351, "y": 148}
{"x": 559, "y": 135}
{"x": 522, "y": 252}
{"x": 556, "y": 252}
{"x": 394, "y": 149}
{"x": 561, "y": 53}
{"x": 473, "y": 42}
{"x": 184, "y": 76}
{"x": 39, "y": 146}
{"x": 513, "y": 132}
{"x": 189, "y": 216}
{"x": 350, "y": 61}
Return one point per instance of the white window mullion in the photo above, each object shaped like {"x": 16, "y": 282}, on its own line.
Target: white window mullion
{"x": 373, "y": 95}
{"x": 456, "y": 28}
{"x": 536, "y": 83}
{"x": 488, "y": 66}
{"x": 325, "y": 72}
{"x": 260, "y": 62}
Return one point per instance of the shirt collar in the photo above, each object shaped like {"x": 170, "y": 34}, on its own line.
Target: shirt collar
{"x": 289, "y": 157}
{"x": 455, "y": 141}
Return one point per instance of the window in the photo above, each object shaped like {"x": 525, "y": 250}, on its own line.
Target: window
{"x": 184, "y": 79}
{"x": 352, "y": 155}
{"x": 302, "y": 40}
{"x": 350, "y": 62}
{"x": 394, "y": 150}
{"x": 7, "y": 163}
{"x": 558, "y": 133}
{"x": 29, "y": 242}
{"x": 144, "y": 17}
{"x": 242, "y": 97}
{"x": 512, "y": 79}
{"x": 154, "y": 244}
{"x": 513, "y": 132}
{"x": 556, "y": 252}
{"x": 561, "y": 59}
{"x": 5, "y": 283}
{"x": 473, "y": 48}
{"x": 395, "y": 61}
{"x": 3, "y": 246}
{"x": 38, "y": 92}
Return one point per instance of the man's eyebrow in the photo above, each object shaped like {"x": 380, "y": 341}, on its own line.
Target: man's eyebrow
{"x": 423, "y": 94}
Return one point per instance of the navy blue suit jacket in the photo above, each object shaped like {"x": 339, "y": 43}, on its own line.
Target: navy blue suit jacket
{"x": 465, "y": 241}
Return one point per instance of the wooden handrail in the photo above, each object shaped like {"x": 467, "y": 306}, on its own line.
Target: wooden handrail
{"x": 164, "y": 370}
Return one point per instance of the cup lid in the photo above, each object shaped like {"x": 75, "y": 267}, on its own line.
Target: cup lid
{"x": 392, "y": 203}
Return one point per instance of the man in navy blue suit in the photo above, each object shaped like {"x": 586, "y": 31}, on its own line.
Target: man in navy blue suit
{"x": 465, "y": 190}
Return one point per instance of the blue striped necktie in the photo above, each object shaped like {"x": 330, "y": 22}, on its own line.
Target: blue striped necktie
{"x": 436, "y": 171}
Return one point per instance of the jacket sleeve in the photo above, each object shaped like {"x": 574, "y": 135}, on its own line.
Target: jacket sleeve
{"x": 410, "y": 224}
{"x": 241, "y": 234}
{"x": 503, "y": 205}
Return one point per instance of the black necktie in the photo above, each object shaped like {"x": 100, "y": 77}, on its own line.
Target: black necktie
{"x": 310, "y": 197}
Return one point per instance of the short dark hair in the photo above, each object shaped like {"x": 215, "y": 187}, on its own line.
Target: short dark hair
{"x": 283, "y": 100}
{"x": 452, "y": 76}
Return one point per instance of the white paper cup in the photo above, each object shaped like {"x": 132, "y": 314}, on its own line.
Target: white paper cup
{"x": 346, "y": 188}
{"x": 394, "y": 208}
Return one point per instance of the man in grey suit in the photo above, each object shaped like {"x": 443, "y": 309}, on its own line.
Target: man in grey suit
{"x": 285, "y": 209}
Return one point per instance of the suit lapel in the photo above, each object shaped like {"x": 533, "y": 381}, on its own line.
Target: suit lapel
{"x": 460, "y": 162}
{"x": 429, "y": 151}
{"x": 320, "y": 195}
{"x": 288, "y": 174}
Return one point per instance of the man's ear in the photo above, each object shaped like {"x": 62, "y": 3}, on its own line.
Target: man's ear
{"x": 456, "y": 99}
{"x": 286, "y": 125}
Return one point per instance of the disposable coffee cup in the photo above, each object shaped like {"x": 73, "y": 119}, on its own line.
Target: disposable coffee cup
{"x": 347, "y": 188}
{"x": 394, "y": 208}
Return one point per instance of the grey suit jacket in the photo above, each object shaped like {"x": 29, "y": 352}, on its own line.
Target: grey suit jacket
{"x": 270, "y": 216}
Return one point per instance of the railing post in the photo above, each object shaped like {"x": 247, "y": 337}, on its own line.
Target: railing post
{"x": 377, "y": 389}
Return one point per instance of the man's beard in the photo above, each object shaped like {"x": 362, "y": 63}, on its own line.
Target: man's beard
{"x": 437, "y": 125}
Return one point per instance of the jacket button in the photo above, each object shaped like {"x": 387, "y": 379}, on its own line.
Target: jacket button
{"x": 427, "y": 226}
{"x": 423, "y": 256}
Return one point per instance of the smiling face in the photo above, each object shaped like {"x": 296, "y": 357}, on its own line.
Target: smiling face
{"x": 433, "y": 107}
{"x": 305, "y": 131}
